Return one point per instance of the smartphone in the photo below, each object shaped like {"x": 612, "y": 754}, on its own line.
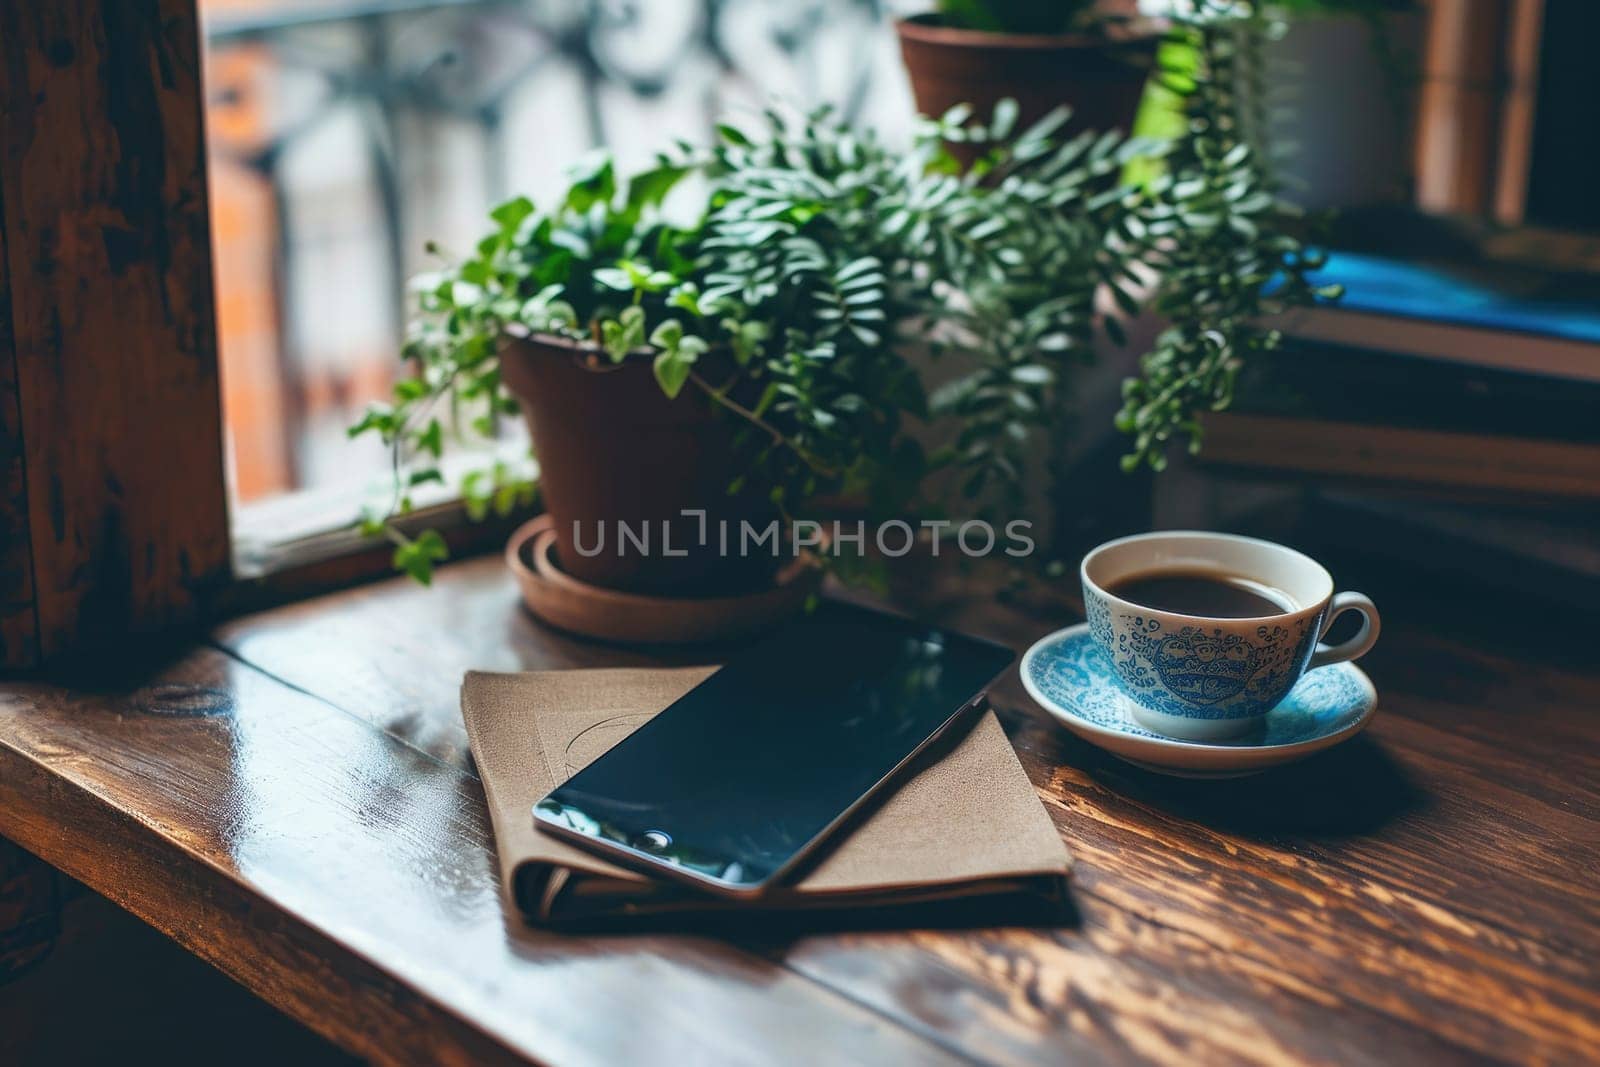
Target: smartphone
{"x": 733, "y": 785}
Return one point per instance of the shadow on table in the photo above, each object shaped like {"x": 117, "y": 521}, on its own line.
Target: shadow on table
{"x": 775, "y": 929}
{"x": 119, "y": 666}
{"x": 1352, "y": 790}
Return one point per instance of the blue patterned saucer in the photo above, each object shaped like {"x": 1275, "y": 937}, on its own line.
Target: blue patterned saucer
{"x": 1070, "y": 678}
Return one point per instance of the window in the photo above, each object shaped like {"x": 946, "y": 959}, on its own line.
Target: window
{"x": 345, "y": 135}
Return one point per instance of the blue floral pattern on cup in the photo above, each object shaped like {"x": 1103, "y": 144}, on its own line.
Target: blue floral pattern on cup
{"x": 1200, "y": 671}
{"x": 1074, "y": 675}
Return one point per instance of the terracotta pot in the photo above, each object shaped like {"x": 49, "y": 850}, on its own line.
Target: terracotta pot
{"x": 1101, "y": 79}
{"x": 613, "y": 449}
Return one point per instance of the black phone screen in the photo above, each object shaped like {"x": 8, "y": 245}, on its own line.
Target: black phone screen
{"x": 731, "y": 784}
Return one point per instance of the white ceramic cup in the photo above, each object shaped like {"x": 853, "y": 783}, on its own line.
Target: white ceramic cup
{"x": 1201, "y": 678}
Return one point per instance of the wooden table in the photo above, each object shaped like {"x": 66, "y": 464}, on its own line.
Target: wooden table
{"x": 292, "y": 800}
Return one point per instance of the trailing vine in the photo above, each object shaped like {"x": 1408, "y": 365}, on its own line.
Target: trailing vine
{"x": 1217, "y": 233}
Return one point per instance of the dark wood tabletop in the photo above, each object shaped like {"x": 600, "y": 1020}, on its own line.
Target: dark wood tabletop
{"x": 292, "y": 799}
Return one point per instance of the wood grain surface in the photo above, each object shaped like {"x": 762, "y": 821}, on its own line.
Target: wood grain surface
{"x": 296, "y": 804}
{"x": 19, "y": 638}
{"x": 110, "y": 412}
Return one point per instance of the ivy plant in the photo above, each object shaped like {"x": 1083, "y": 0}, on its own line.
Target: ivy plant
{"x": 596, "y": 266}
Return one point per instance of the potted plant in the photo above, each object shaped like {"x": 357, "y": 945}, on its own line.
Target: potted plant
{"x": 750, "y": 361}
{"x": 751, "y": 357}
{"x": 1040, "y": 53}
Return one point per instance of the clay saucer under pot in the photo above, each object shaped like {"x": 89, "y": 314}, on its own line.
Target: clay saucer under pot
{"x": 569, "y": 604}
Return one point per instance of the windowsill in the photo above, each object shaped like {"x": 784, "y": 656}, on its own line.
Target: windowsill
{"x": 303, "y": 543}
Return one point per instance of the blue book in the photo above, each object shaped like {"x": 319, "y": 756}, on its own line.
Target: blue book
{"x": 1430, "y": 312}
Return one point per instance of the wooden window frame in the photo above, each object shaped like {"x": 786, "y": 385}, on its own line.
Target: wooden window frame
{"x": 114, "y": 516}
{"x": 114, "y": 507}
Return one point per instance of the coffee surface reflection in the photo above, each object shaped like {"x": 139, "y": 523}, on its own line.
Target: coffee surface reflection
{"x": 1206, "y": 593}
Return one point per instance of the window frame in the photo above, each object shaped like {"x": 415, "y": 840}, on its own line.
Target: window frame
{"x": 114, "y": 500}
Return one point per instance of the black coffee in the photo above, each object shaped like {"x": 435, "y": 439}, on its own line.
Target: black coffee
{"x": 1207, "y": 593}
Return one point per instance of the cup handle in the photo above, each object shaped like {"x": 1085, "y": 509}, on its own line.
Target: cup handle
{"x": 1358, "y": 645}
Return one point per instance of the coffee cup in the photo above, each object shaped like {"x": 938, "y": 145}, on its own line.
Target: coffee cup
{"x": 1207, "y": 632}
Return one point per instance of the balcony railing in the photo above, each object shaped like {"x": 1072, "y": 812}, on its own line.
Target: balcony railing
{"x": 344, "y": 136}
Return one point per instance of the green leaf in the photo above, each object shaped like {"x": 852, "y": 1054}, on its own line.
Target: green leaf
{"x": 431, "y": 439}
{"x": 624, "y": 333}
{"x": 475, "y": 492}
{"x": 505, "y": 500}
{"x": 955, "y": 117}
{"x": 856, "y": 268}
{"x": 732, "y": 135}
{"x": 668, "y": 334}
{"x": 409, "y": 389}
{"x": 509, "y": 215}
{"x": 432, "y": 543}
{"x": 594, "y": 181}
{"x": 870, "y": 338}
{"x": 672, "y": 371}
{"x": 418, "y": 557}
{"x": 379, "y": 418}
{"x": 616, "y": 278}
{"x": 1124, "y": 300}
{"x": 477, "y": 271}
{"x": 651, "y": 187}
{"x": 1005, "y": 119}
{"x": 572, "y": 242}
{"x": 560, "y": 315}
{"x": 678, "y": 354}
{"x": 769, "y": 396}
{"x": 746, "y": 339}
{"x": 686, "y": 296}
{"x": 1043, "y": 131}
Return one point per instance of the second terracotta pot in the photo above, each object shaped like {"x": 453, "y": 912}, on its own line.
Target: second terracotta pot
{"x": 1100, "y": 79}
{"x": 615, "y": 452}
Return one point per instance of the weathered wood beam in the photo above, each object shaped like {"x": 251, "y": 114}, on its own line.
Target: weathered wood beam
{"x": 112, "y": 501}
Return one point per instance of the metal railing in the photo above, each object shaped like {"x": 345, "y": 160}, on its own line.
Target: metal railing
{"x": 410, "y": 82}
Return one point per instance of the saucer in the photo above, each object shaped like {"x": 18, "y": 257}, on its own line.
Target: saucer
{"x": 612, "y": 615}
{"x": 1070, "y": 678}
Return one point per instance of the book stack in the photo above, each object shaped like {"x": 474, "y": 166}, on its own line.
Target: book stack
{"x": 1442, "y": 418}
{"x": 1393, "y": 417}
